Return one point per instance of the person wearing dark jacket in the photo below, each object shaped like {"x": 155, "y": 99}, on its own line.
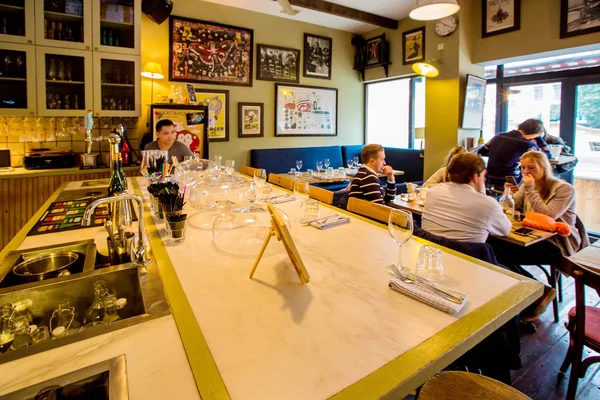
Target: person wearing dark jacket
{"x": 505, "y": 150}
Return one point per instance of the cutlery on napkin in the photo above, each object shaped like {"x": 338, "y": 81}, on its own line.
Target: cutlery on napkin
{"x": 330, "y": 222}
{"x": 282, "y": 199}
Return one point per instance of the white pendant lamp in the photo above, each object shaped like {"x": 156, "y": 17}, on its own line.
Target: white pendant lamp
{"x": 429, "y": 10}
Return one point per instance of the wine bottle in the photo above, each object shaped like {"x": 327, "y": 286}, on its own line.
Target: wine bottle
{"x": 117, "y": 184}
{"x": 481, "y": 140}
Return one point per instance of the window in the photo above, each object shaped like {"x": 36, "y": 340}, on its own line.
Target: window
{"x": 535, "y": 101}
{"x": 489, "y": 112}
{"x": 389, "y": 107}
{"x": 538, "y": 93}
{"x": 564, "y": 62}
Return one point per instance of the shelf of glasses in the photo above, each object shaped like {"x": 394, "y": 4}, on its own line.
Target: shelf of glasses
{"x": 9, "y": 79}
{"x": 62, "y": 17}
{"x": 65, "y": 82}
{"x": 7, "y": 8}
{"x": 115, "y": 24}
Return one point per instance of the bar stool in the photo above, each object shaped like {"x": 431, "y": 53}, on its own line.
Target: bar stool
{"x": 457, "y": 385}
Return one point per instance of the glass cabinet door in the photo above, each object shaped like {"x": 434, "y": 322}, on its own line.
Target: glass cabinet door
{"x": 16, "y": 21}
{"x": 116, "y": 85}
{"x": 17, "y": 79}
{"x": 64, "y": 81}
{"x": 64, "y": 23}
{"x": 117, "y": 26}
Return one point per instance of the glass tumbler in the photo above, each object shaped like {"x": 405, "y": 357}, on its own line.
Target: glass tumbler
{"x": 311, "y": 210}
{"x": 429, "y": 263}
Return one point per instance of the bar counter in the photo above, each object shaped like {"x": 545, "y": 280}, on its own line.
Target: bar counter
{"x": 344, "y": 335}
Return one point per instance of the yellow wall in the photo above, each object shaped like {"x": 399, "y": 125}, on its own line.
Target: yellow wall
{"x": 539, "y": 33}
{"x": 267, "y": 30}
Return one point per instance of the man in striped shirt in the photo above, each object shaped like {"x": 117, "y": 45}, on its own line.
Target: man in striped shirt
{"x": 365, "y": 184}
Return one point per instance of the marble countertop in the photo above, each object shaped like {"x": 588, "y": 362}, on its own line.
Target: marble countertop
{"x": 20, "y": 172}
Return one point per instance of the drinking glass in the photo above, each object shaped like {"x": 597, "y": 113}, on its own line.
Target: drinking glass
{"x": 311, "y": 210}
{"x": 251, "y": 195}
{"x": 429, "y": 263}
{"x": 260, "y": 177}
{"x": 229, "y": 167}
{"x": 350, "y": 163}
{"x": 152, "y": 163}
{"x": 355, "y": 159}
{"x": 319, "y": 166}
{"x": 400, "y": 226}
{"x": 327, "y": 162}
{"x": 301, "y": 191}
{"x": 298, "y": 165}
{"x": 218, "y": 160}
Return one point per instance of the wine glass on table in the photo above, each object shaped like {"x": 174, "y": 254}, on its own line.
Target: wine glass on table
{"x": 350, "y": 163}
{"x": 301, "y": 192}
{"x": 298, "y": 165}
{"x": 260, "y": 177}
{"x": 229, "y": 168}
{"x": 327, "y": 163}
{"x": 400, "y": 226}
{"x": 319, "y": 166}
{"x": 355, "y": 159}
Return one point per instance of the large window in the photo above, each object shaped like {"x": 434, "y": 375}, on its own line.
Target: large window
{"x": 393, "y": 109}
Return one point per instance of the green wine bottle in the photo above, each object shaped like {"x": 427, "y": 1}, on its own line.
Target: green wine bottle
{"x": 118, "y": 182}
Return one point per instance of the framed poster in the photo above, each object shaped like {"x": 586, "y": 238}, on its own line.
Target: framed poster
{"x": 375, "y": 50}
{"x": 250, "y": 119}
{"x": 190, "y": 124}
{"x": 474, "y": 102}
{"x": 413, "y": 46}
{"x": 317, "y": 56}
{"x": 500, "y": 16}
{"x": 191, "y": 92}
{"x": 578, "y": 17}
{"x": 277, "y": 64}
{"x": 208, "y": 52}
{"x": 217, "y": 102}
{"x": 305, "y": 110}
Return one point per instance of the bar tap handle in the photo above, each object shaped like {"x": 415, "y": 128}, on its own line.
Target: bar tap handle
{"x": 88, "y": 125}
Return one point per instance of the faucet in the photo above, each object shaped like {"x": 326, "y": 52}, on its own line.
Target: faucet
{"x": 139, "y": 253}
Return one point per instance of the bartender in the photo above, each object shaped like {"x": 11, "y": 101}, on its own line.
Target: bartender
{"x": 166, "y": 140}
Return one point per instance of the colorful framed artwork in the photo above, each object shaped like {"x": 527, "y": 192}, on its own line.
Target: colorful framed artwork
{"x": 217, "y": 102}
{"x": 578, "y": 17}
{"x": 277, "y": 64}
{"x": 413, "y": 46}
{"x": 208, "y": 52}
{"x": 500, "y": 16}
{"x": 305, "y": 110}
{"x": 189, "y": 121}
{"x": 250, "y": 120}
{"x": 375, "y": 50}
{"x": 317, "y": 56}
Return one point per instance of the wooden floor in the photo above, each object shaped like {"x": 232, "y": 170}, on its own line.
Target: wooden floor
{"x": 543, "y": 352}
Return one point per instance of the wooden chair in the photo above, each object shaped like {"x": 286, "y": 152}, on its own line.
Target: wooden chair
{"x": 584, "y": 330}
{"x": 375, "y": 211}
{"x": 246, "y": 170}
{"x": 282, "y": 181}
{"x": 457, "y": 385}
{"x": 324, "y": 195}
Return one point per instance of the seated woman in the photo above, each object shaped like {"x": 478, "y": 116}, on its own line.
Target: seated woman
{"x": 441, "y": 175}
{"x": 541, "y": 192}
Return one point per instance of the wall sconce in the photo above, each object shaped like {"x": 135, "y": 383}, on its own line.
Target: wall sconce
{"x": 429, "y": 10}
{"x": 152, "y": 70}
{"x": 427, "y": 69}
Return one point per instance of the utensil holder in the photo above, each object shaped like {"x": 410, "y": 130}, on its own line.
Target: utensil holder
{"x": 120, "y": 253}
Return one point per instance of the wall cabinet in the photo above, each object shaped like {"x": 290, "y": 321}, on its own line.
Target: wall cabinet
{"x": 17, "y": 79}
{"x": 117, "y": 26}
{"x": 64, "y": 24}
{"x": 116, "y": 85}
{"x": 17, "y": 22}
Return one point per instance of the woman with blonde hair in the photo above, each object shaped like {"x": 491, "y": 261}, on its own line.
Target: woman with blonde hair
{"x": 441, "y": 175}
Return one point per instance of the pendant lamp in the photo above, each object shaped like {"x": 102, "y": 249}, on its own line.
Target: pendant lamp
{"x": 429, "y": 10}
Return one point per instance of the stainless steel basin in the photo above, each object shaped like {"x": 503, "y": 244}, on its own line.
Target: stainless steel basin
{"x": 46, "y": 266}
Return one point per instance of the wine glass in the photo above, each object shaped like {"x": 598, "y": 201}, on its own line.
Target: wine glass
{"x": 260, "y": 177}
{"x": 319, "y": 166}
{"x": 350, "y": 163}
{"x": 298, "y": 165}
{"x": 229, "y": 167}
{"x": 327, "y": 163}
{"x": 355, "y": 159}
{"x": 400, "y": 226}
{"x": 218, "y": 160}
{"x": 301, "y": 191}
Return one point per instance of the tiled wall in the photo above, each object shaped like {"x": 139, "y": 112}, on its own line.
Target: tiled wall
{"x": 20, "y": 134}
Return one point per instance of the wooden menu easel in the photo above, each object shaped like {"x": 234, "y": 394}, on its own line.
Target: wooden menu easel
{"x": 280, "y": 231}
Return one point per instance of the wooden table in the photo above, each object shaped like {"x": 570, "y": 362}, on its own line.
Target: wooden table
{"x": 345, "y": 334}
{"x": 588, "y": 257}
{"x": 412, "y": 206}
{"x": 535, "y": 237}
{"x": 321, "y": 177}
{"x": 562, "y": 160}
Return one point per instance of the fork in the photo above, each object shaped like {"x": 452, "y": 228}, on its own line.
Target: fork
{"x": 431, "y": 288}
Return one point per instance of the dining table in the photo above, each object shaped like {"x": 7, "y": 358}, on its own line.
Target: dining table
{"x": 343, "y": 335}
{"x": 324, "y": 177}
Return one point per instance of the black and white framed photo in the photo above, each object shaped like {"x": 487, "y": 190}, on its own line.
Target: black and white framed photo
{"x": 413, "y": 46}
{"x": 500, "y": 16}
{"x": 250, "y": 120}
{"x": 317, "y": 56}
{"x": 275, "y": 63}
{"x": 578, "y": 17}
{"x": 305, "y": 110}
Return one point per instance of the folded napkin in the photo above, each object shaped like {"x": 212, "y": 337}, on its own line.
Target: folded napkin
{"x": 283, "y": 199}
{"x": 424, "y": 295}
{"x": 330, "y": 223}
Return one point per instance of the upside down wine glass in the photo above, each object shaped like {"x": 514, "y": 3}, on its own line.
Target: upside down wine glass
{"x": 400, "y": 226}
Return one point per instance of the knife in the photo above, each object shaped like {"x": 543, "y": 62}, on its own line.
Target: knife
{"x": 434, "y": 287}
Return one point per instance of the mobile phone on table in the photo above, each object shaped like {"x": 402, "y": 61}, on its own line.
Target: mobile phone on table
{"x": 511, "y": 179}
{"x": 524, "y": 231}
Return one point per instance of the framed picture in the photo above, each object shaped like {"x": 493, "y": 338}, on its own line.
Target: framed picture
{"x": 500, "y": 16}
{"x": 208, "y": 52}
{"x": 375, "y": 50}
{"x": 474, "y": 102}
{"x": 317, "y": 56}
{"x": 217, "y": 102}
{"x": 191, "y": 93}
{"x": 250, "y": 119}
{"x": 277, "y": 64}
{"x": 413, "y": 46}
{"x": 305, "y": 110}
{"x": 578, "y": 17}
{"x": 190, "y": 124}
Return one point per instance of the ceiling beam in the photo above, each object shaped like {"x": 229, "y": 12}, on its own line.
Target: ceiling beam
{"x": 346, "y": 12}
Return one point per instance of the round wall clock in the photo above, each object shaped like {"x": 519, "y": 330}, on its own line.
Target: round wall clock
{"x": 446, "y": 26}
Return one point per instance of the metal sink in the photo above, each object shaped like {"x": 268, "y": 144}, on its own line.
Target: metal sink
{"x": 85, "y": 249}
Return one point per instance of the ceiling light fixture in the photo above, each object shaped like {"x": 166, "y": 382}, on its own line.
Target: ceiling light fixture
{"x": 429, "y": 10}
